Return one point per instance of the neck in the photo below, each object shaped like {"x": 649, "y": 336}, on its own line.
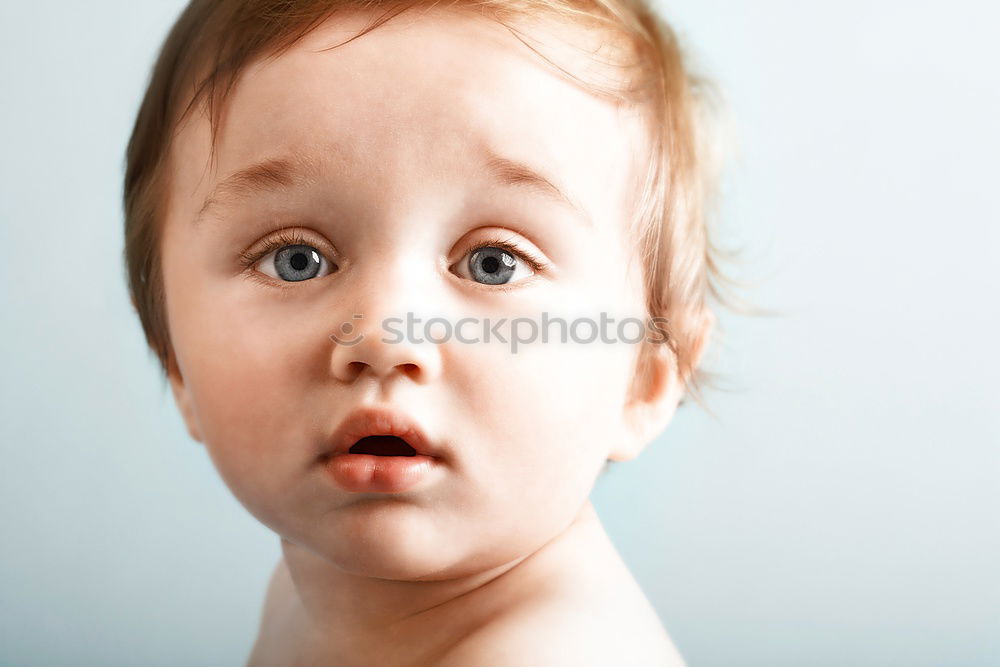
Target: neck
{"x": 362, "y": 619}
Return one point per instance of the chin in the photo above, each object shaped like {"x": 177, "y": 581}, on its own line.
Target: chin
{"x": 385, "y": 550}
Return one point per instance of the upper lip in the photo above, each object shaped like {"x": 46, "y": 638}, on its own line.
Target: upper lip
{"x": 368, "y": 421}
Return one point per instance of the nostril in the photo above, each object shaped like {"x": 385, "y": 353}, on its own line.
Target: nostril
{"x": 357, "y": 366}
{"x": 382, "y": 445}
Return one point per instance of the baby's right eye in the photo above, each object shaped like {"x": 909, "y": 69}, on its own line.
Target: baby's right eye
{"x": 294, "y": 263}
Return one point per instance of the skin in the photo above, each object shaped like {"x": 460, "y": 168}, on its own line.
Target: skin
{"x": 397, "y": 195}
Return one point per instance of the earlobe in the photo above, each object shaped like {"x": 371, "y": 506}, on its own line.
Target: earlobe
{"x": 182, "y": 397}
{"x": 652, "y": 402}
{"x": 656, "y": 392}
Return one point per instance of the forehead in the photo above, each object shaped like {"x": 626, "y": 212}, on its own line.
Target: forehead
{"x": 420, "y": 100}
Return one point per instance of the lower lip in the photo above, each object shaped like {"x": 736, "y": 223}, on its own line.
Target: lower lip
{"x": 367, "y": 473}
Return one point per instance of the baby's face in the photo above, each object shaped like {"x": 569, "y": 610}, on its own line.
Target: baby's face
{"x": 389, "y": 139}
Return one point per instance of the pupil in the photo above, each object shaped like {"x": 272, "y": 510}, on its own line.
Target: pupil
{"x": 491, "y": 264}
{"x": 299, "y": 261}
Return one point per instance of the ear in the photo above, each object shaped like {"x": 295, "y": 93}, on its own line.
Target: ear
{"x": 656, "y": 391}
{"x": 182, "y": 396}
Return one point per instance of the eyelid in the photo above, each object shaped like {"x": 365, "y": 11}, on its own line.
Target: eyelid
{"x": 536, "y": 262}
{"x": 284, "y": 237}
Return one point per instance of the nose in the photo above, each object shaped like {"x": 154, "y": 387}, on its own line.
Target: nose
{"x": 382, "y": 355}
{"x": 376, "y": 341}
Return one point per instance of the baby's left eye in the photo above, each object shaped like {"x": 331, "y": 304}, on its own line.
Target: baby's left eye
{"x": 495, "y": 265}
{"x": 294, "y": 263}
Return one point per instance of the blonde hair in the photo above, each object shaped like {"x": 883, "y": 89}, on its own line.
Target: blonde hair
{"x": 213, "y": 41}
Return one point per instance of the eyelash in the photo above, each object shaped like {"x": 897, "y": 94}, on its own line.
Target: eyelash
{"x": 535, "y": 262}
{"x": 285, "y": 238}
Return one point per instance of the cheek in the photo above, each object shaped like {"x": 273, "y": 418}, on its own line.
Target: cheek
{"x": 533, "y": 430}
{"x": 550, "y": 404}
{"x": 248, "y": 373}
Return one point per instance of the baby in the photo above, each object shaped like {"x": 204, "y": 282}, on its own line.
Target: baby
{"x": 307, "y": 180}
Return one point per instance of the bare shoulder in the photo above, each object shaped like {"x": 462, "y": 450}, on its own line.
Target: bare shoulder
{"x": 580, "y": 631}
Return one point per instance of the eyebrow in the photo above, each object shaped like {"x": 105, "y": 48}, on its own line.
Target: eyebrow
{"x": 512, "y": 174}
{"x": 269, "y": 175}
{"x": 276, "y": 174}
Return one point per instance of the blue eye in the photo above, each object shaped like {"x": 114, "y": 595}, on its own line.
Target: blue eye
{"x": 294, "y": 263}
{"x": 492, "y": 266}
{"x": 497, "y": 265}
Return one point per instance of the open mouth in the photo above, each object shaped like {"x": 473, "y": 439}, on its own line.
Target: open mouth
{"x": 382, "y": 445}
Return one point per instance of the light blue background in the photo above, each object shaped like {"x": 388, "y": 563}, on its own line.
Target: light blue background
{"x": 842, "y": 508}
